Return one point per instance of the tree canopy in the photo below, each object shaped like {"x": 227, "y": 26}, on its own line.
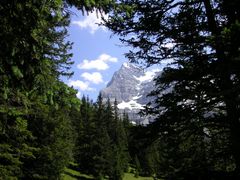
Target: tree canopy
{"x": 196, "y": 132}
{"x": 197, "y": 95}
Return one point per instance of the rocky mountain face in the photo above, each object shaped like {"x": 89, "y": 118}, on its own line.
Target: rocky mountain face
{"x": 130, "y": 85}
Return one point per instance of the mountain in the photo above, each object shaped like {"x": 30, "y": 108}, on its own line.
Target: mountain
{"x": 130, "y": 85}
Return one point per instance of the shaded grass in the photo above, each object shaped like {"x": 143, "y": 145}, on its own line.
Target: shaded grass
{"x": 130, "y": 176}
{"x": 72, "y": 173}
{"x": 77, "y": 176}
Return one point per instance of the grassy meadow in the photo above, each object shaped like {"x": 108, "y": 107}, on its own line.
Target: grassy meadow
{"x": 71, "y": 174}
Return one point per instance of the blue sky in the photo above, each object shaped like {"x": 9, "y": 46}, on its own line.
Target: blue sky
{"x": 96, "y": 54}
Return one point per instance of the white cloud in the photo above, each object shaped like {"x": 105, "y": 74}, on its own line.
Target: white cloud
{"x": 106, "y": 58}
{"x": 91, "y": 22}
{"x": 95, "y": 77}
{"x": 83, "y": 86}
{"x": 94, "y": 64}
{"x": 100, "y": 63}
{"x": 79, "y": 94}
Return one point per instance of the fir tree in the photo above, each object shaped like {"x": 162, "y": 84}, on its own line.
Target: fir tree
{"x": 196, "y": 97}
{"x": 36, "y": 129}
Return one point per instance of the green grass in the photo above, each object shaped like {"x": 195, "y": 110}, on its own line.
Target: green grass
{"x": 71, "y": 174}
{"x": 130, "y": 176}
{"x": 68, "y": 177}
{"x": 75, "y": 175}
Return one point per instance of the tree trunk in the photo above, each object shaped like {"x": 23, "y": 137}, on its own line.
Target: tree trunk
{"x": 226, "y": 86}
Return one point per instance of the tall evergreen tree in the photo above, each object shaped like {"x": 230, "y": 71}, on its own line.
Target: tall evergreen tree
{"x": 197, "y": 102}
{"x": 102, "y": 146}
{"x": 53, "y": 131}
{"x": 86, "y": 139}
{"x": 31, "y": 94}
{"x": 102, "y": 143}
{"x": 26, "y": 64}
{"x": 120, "y": 146}
{"x": 35, "y": 106}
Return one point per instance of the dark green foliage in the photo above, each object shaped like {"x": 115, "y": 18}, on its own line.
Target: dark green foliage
{"x": 37, "y": 111}
{"x": 102, "y": 148}
{"x": 140, "y": 151}
{"x": 90, "y": 5}
{"x": 197, "y": 97}
{"x": 137, "y": 167}
{"x": 120, "y": 145}
{"x": 85, "y": 136}
{"x": 36, "y": 130}
{"x": 102, "y": 144}
{"x": 52, "y": 128}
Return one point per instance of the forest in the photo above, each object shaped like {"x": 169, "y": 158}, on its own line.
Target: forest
{"x": 45, "y": 128}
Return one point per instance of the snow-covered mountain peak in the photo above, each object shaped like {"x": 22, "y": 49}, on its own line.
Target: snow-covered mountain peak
{"x": 126, "y": 65}
{"x": 131, "y": 66}
{"x": 130, "y": 85}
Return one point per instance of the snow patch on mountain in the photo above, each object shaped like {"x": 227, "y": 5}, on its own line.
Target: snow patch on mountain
{"x": 136, "y": 97}
{"x": 130, "y": 105}
{"x": 148, "y": 75}
{"x": 126, "y": 65}
{"x": 130, "y": 86}
{"x": 130, "y": 65}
